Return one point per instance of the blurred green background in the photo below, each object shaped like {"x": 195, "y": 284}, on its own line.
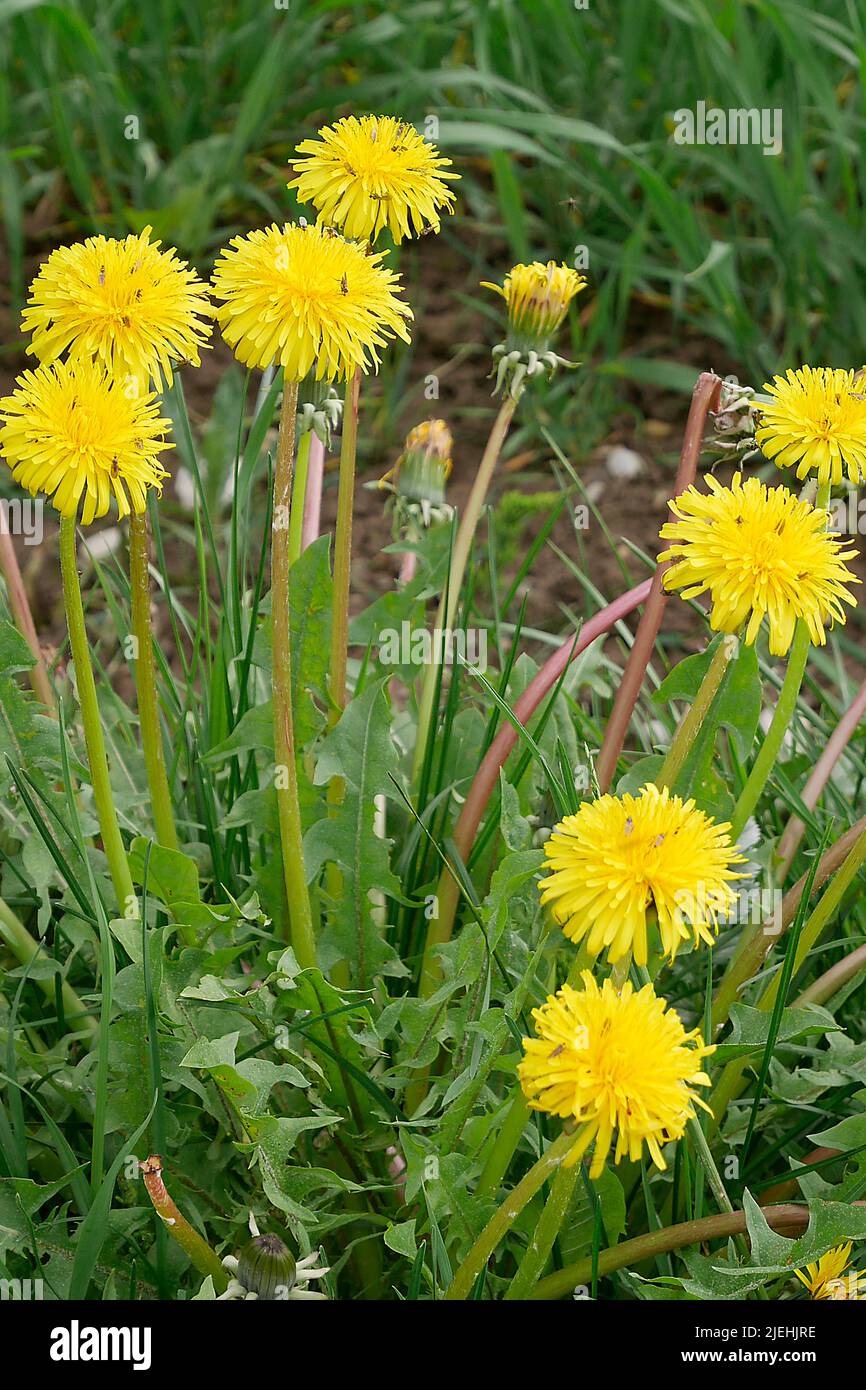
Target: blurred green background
{"x": 558, "y": 117}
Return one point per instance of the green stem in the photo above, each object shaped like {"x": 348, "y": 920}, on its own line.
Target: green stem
{"x": 504, "y": 1217}
{"x": 343, "y": 549}
{"x": 732, "y": 1081}
{"x": 25, "y": 948}
{"x": 509, "y": 1135}
{"x": 301, "y": 933}
{"x": 764, "y": 935}
{"x": 102, "y": 794}
{"x": 661, "y": 1242}
{"x": 145, "y": 682}
{"x": 769, "y": 752}
{"x": 459, "y": 560}
{"x": 685, "y": 736}
{"x": 299, "y": 493}
{"x": 787, "y": 704}
{"x": 714, "y": 1177}
{"x": 538, "y": 1250}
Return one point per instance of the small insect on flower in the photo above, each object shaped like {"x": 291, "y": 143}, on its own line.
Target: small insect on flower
{"x": 816, "y": 422}
{"x": 760, "y": 553}
{"x": 73, "y": 432}
{"x": 623, "y": 861}
{"x": 616, "y": 1064}
{"x": 366, "y": 173}
{"x": 134, "y": 308}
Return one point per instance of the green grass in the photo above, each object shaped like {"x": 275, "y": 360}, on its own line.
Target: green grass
{"x": 559, "y": 120}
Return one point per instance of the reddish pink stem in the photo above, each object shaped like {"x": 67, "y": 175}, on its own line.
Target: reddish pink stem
{"x": 820, "y": 776}
{"x": 408, "y": 566}
{"x": 313, "y": 495}
{"x": 705, "y": 398}
{"x": 20, "y": 609}
{"x": 487, "y": 776}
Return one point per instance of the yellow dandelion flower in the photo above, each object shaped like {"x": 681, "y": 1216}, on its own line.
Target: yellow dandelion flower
{"x": 365, "y": 173}
{"x": 817, "y": 421}
{"x": 127, "y": 304}
{"x": 623, "y": 858}
{"x": 305, "y": 299}
{"x": 613, "y": 1063}
{"x": 830, "y": 1278}
{"x": 760, "y": 553}
{"x": 537, "y": 297}
{"x": 71, "y": 431}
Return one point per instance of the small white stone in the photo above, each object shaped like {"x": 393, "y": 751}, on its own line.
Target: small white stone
{"x": 624, "y": 463}
{"x": 101, "y": 545}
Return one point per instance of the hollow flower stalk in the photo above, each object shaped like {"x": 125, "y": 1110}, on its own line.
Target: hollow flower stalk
{"x": 304, "y": 299}
{"x": 138, "y": 311}
{"x": 71, "y": 431}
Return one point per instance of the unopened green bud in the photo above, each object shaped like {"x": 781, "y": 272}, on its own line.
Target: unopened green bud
{"x": 266, "y": 1267}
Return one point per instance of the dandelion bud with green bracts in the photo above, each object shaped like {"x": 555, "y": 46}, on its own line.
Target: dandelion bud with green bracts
{"x": 266, "y": 1270}
{"x": 537, "y": 297}
{"x": 320, "y": 409}
{"x": 419, "y": 477}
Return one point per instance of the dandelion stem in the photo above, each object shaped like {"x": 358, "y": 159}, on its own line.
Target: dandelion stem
{"x": 504, "y": 1217}
{"x": 343, "y": 548}
{"x": 705, "y": 398}
{"x": 299, "y": 493}
{"x": 536, "y": 1254}
{"x": 459, "y": 560}
{"x": 769, "y": 751}
{"x": 313, "y": 495}
{"x": 145, "y": 682}
{"x": 102, "y": 794}
{"x": 822, "y": 989}
{"x": 632, "y": 1252}
{"x": 301, "y": 933}
{"x": 784, "y": 713}
{"x": 194, "y": 1246}
{"x": 20, "y": 610}
{"x": 685, "y": 736}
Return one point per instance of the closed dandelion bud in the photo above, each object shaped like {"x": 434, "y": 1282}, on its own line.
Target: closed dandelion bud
{"x": 320, "y": 409}
{"x": 418, "y": 479}
{"x": 537, "y": 297}
{"x": 734, "y": 422}
{"x": 266, "y": 1267}
{"x": 424, "y": 467}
